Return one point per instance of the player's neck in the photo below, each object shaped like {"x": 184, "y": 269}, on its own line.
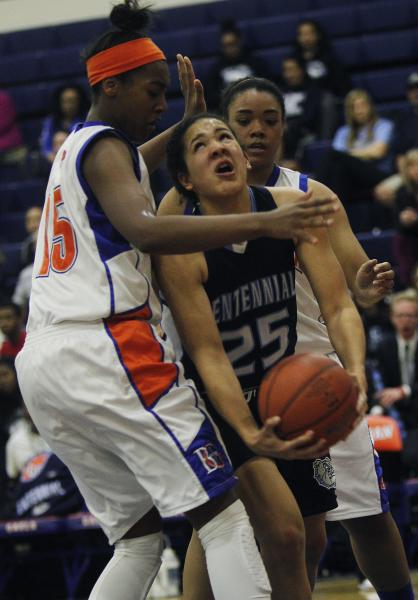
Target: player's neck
{"x": 259, "y": 175}
{"x": 234, "y": 204}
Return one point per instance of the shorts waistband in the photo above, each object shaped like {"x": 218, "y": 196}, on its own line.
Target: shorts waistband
{"x": 63, "y": 328}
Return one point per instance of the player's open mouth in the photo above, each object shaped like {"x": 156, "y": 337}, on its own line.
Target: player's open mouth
{"x": 225, "y": 168}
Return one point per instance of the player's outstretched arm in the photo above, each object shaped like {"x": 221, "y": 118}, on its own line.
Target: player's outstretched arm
{"x": 181, "y": 280}
{"x": 108, "y": 169}
{"x": 343, "y": 321}
{"x": 368, "y": 280}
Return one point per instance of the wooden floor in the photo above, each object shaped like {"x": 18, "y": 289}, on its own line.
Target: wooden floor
{"x": 344, "y": 589}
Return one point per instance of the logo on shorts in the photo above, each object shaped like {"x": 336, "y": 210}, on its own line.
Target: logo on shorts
{"x": 324, "y": 472}
{"x": 34, "y": 467}
{"x": 210, "y": 457}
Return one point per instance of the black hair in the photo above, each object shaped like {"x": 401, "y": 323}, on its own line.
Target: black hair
{"x": 323, "y": 41}
{"x": 250, "y": 83}
{"x": 229, "y": 26}
{"x": 176, "y": 163}
{"x": 8, "y": 361}
{"x": 56, "y": 101}
{"x": 130, "y": 22}
{"x": 6, "y": 303}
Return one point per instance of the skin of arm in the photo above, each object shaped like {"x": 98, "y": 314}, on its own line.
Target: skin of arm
{"x": 373, "y": 151}
{"x": 367, "y": 280}
{"x": 108, "y": 169}
{"x": 343, "y": 321}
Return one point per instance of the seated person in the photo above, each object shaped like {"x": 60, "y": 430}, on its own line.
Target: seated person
{"x": 12, "y": 150}
{"x": 360, "y": 155}
{"x": 406, "y": 210}
{"x": 11, "y": 327}
{"x": 302, "y": 99}
{"x": 69, "y": 107}
{"x": 10, "y": 404}
{"x": 32, "y": 220}
{"x": 234, "y": 62}
{"x": 405, "y": 138}
{"x": 397, "y": 362}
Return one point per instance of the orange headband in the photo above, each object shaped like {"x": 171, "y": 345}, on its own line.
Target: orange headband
{"x": 122, "y": 58}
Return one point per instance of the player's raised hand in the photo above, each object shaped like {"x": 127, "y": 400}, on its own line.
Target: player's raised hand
{"x": 266, "y": 443}
{"x": 293, "y": 218}
{"x": 374, "y": 281}
{"x": 191, "y": 88}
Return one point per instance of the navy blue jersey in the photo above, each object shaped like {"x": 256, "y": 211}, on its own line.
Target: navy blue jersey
{"x": 252, "y": 292}
{"x": 46, "y": 487}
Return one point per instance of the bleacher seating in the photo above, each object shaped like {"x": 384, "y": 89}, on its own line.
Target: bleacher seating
{"x": 378, "y": 44}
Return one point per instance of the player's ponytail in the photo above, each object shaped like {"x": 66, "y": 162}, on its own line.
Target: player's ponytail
{"x": 129, "y": 16}
{"x": 129, "y": 21}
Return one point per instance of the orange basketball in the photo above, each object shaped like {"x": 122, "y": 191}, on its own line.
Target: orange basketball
{"x": 309, "y": 391}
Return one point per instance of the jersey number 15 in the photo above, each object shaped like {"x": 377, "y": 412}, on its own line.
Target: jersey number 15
{"x": 61, "y": 253}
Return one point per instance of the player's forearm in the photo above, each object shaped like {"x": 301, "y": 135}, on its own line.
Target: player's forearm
{"x": 181, "y": 235}
{"x": 347, "y": 337}
{"x": 225, "y": 394}
{"x": 153, "y": 151}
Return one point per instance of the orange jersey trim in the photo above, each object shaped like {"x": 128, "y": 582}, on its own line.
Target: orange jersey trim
{"x": 122, "y": 58}
{"x": 142, "y": 357}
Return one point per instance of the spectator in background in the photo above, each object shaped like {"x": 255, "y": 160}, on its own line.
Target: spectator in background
{"x": 32, "y": 220}
{"x": 22, "y": 291}
{"x": 24, "y": 442}
{"x": 11, "y": 327}
{"x": 10, "y": 403}
{"x": 12, "y": 150}
{"x": 234, "y": 62}
{"x": 414, "y": 278}
{"x": 322, "y": 65}
{"x": 302, "y": 99}
{"x": 69, "y": 107}
{"x": 360, "y": 155}
{"x": 406, "y": 208}
{"x": 405, "y": 138}
{"x": 23, "y": 285}
{"x": 397, "y": 361}
{"x": 324, "y": 68}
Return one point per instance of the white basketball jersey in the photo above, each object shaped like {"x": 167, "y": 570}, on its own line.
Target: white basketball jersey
{"x": 311, "y": 329}
{"x": 84, "y": 269}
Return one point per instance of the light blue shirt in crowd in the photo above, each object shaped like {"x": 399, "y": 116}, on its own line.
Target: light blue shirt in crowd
{"x": 382, "y": 132}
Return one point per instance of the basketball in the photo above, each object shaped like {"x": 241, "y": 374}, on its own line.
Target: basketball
{"x": 309, "y": 391}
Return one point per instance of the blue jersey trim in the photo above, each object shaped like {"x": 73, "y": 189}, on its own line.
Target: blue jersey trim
{"x": 303, "y": 182}
{"x": 220, "y": 479}
{"x": 273, "y": 177}
{"x": 109, "y": 241}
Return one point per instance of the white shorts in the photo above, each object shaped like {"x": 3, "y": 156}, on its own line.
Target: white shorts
{"x": 112, "y": 405}
{"x": 360, "y": 487}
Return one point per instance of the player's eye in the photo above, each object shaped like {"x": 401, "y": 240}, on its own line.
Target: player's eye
{"x": 197, "y": 146}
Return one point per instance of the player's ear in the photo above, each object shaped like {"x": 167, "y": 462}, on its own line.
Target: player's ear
{"x": 184, "y": 179}
{"x": 110, "y": 86}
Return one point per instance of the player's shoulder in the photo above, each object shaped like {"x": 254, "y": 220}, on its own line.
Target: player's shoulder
{"x": 173, "y": 203}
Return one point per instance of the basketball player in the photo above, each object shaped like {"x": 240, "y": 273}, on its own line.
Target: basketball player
{"x": 255, "y": 111}
{"x": 245, "y": 295}
{"x": 98, "y": 380}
